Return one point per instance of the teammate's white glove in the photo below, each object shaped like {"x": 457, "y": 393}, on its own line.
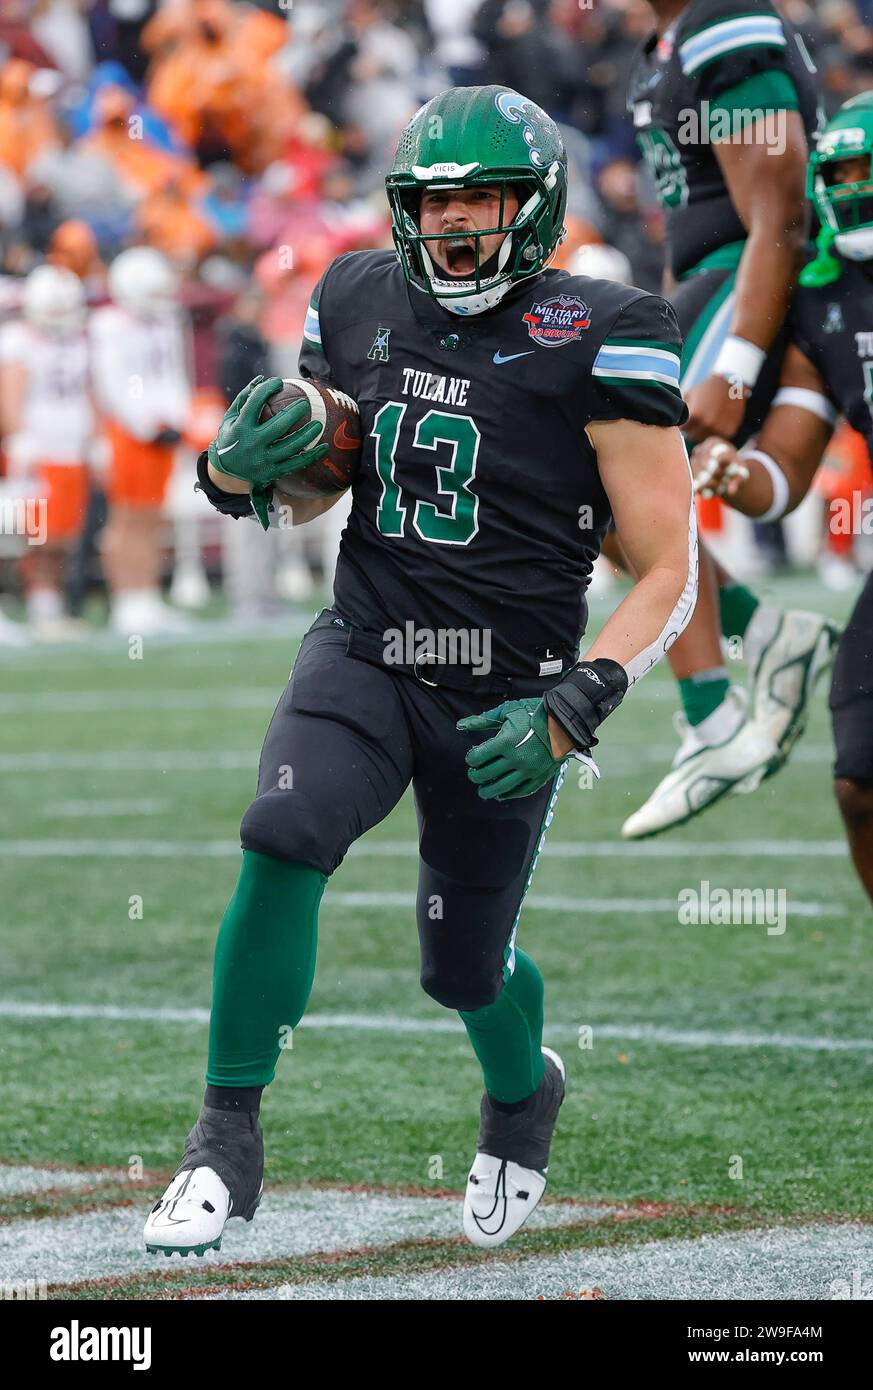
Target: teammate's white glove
{"x": 718, "y": 469}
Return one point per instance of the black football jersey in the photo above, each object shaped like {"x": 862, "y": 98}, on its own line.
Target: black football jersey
{"x": 676, "y": 82}
{"x": 478, "y": 504}
{"x": 833, "y": 327}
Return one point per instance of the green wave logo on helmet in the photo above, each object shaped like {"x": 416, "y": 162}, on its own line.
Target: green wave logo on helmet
{"x": 480, "y": 137}
{"x": 512, "y": 106}
{"x": 844, "y": 206}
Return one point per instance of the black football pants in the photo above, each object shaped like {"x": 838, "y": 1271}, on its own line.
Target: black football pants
{"x": 347, "y": 738}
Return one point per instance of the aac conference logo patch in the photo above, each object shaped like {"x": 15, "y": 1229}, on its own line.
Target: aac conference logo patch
{"x": 557, "y": 321}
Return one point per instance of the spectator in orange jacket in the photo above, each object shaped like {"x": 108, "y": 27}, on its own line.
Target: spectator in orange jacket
{"x": 141, "y": 165}
{"x": 27, "y": 126}
{"x": 212, "y": 81}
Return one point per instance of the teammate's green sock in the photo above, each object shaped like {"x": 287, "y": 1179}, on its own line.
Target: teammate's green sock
{"x": 507, "y": 1035}
{"x": 736, "y": 605}
{"x": 702, "y": 693}
{"x": 264, "y": 966}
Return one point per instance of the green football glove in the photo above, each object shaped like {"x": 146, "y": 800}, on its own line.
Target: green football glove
{"x": 518, "y": 760}
{"x": 258, "y": 453}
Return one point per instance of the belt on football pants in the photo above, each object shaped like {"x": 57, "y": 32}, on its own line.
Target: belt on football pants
{"x": 370, "y": 647}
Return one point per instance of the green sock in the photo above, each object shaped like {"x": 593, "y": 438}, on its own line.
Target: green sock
{"x": 736, "y": 605}
{"x": 264, "y": 967}
{"x": 702, "y": 693}
{"x": 507, "y": 1035}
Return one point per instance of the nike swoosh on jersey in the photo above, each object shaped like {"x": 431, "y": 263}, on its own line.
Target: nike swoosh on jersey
{"x": 499, "y": 360}
{"x": 227, "y": 448}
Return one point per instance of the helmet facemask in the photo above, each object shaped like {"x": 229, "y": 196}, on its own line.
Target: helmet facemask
{"x": 847, "y": 206}
{"x": 524, "y": 250}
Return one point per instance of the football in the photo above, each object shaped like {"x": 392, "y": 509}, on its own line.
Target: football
{"x": 340, "y": 424}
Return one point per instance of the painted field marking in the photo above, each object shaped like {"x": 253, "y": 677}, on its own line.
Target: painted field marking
{"x": 100, "y": 1244}
{"x": 130, "y": 760}
{"x": 807, "y": 1262}
{"x": 79, "y": 809}
{"x": 157, "y": 701}
{"x": 622, "y": 762}
{"x": 408, "y": 849}
{"x": 16, "y": 1179}
{"x": 389, "y": 1023}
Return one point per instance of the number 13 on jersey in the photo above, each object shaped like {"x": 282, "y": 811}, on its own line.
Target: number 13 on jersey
{"x": 453, "y": 437}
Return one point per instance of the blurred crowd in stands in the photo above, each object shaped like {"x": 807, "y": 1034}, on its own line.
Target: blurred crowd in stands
{"x": 246, "y": 143}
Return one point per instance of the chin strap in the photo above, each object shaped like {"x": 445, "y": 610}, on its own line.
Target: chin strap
{"x": 826, "y": 269}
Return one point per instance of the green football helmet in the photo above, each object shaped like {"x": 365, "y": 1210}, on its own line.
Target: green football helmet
{"x": 845, "y": 210}
{"x": 470, "y": 137}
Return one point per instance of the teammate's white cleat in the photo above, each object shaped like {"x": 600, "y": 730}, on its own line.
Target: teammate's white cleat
{"x": 295, "y": 583}
{"x": 142, "y": 612}
{"x": 508, "y": 1176}
{"x": 785, "y": 667}
{"x": 726, "y": 752}
{"x": 13, "y": 634}
{"x": 191, "y": 1215}
{"x": 60, "y": 630}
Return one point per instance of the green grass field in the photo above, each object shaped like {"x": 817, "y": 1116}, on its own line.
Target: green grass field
{"x": 726, "y": 1088}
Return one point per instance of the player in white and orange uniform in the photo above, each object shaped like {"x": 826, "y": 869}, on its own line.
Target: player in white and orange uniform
{"x": 142, "y": 387}
{"x": 48, "y": 426}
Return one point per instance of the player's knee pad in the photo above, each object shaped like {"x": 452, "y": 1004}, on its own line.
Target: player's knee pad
{"x": 463, "y": 993}
{"x": 855, "y": 801}
{"x": 291, "y": 825}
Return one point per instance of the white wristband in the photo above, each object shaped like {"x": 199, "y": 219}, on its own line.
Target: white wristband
{"x": 781, "y": 490}
{"x": 739, "y": 358}
{"x": 804, "y": 399}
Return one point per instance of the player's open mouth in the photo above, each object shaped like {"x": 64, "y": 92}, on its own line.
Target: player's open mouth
{"x": 460, "y": 255}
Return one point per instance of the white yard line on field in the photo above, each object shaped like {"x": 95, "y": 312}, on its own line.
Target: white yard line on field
{"x": 808, "y": 1262}
{"x": 623, "y": 762}
{"x": 403, "y": 849}
{"x": 550, "y": 902}
{"x": 100, "y": 1244}
{"x": 130, "y": 760}
{"x": 391, "y": 1023}
{"x": 69, "y": 702}
{"x": 108, "y": 808}
{"x": 17, "y": 1178}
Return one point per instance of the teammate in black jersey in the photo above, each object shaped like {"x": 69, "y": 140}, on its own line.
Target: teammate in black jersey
{"x": 508, "y": 411}
{"x": 724, "y": 101}
{"x": 828, "y": 370}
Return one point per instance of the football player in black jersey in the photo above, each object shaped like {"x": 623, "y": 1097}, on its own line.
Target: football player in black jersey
{"x": 828, "y": 371}
{"x": 724, "y": 101}
{"x": 508, "y": 411}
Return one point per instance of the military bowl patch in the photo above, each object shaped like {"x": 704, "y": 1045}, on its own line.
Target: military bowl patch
{"x": 556, "y": 321}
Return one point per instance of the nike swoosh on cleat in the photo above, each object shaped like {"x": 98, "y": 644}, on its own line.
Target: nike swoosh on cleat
{"x": 227, "y": 448}
{"x": 499, "y": 1196}
{"x": 499, "y": 360}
